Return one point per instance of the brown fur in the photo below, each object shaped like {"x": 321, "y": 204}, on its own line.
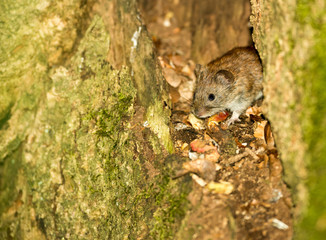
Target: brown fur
{"x": 234, "y": 88}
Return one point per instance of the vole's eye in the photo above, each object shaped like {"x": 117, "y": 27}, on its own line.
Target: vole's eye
{"x": 211, "y": 97}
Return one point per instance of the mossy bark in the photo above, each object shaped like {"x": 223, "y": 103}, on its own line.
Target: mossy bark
{"x": 84, "y": 125}
{"x": 291, "y": 39}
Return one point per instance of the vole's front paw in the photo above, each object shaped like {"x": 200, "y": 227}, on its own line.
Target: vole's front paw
{"x": 232, "y": 120}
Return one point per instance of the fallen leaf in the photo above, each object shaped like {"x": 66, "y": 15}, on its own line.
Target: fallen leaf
{"x": 176, "y": 30}
{"x": 269, "y": 136}
{"x": 254, "y": 111}
{"x": 184, "y": 146}
{"x": 212, "y": 155}
{"x": 164, "y": 62}
{"x": 174, "y": 94}
{"x": 189, "y": 72}
{"x": 177, "y": 60}
{"x": 201, "y": 146}
{"x": 205, "y": 147}
{"x": 171, "y": 77}
{"x": 259, "y": 131}
{"x": 186, "y": 90}
{"x": 275, "y": 167}
{"x": 219, "y": 117}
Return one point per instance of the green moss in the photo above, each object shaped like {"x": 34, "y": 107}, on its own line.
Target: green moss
{"x": 100, "y": 160}
{"x": 8, "y": 172}
{"x": 19, "y": 71}
{"x": 171, "y": 196}
{"x": 313, "y": 225}
{"x": 156, "y": 116}
{"x": 9, "y": 175}
{"x": 70, "y": 136}
{"x": 5, "y": 116}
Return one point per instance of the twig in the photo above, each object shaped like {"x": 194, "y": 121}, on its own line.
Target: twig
{"x": 252, "y": 153}
{"x": 246, "y": 153}
{"x": 237, "y": 158}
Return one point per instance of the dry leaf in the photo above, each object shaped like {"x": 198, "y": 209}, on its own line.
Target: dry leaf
{"x": 201, "y": 146}
{"x": 254, "y": 111}
{"x": 174, "y": 94}
{"x": 212, "y": 155}
{"x": 275, "y": 167}
{"x": 184, "y": 146}
{"x": 205, "y": 147}
{"x": 186, "y": 91}
{"x": 189, "y": 72}
{"x": 269, "y": 136}
{"x": 171, "y": 77}
{"x": 259, "y": 131}
{"x": 177, "y": 60}
{"x": 163, "y": 62}
{"x": 176, "y": 30}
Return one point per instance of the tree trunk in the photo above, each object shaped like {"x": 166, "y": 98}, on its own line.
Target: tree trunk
{"x": 84, "y": 125}
{"x": 291, "y": 38}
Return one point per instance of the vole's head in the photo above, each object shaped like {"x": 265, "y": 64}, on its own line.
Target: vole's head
{"x": 213, "y": 90}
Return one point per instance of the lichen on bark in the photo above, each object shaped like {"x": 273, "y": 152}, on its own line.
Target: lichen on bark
{"x": 76, "y": 158}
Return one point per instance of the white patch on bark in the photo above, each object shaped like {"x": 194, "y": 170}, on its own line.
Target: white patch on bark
{"x": 134, "y": 41}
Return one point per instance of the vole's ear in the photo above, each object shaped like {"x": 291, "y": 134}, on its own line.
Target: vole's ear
{"x": 225, "y": 77}
{"x": 199, "y": 69}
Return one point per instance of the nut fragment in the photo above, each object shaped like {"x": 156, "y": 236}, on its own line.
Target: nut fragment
{"x": 279, "y": 224}
{"x": 197, "y": 123}
{"x": 201, "y": 182}
{"x": 220, "y": 187}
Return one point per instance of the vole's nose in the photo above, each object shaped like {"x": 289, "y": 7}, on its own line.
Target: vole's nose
{"x": 200, "y": 112}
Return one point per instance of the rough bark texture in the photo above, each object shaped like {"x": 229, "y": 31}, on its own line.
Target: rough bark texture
{"x": 291, "y": 39}
{"x": 75, "y": 159}
{"x": 218, "y": 27}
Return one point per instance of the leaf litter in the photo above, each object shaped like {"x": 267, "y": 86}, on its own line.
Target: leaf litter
{"x": 238, "y": 191}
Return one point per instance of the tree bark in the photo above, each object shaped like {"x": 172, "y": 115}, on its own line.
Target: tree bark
{"x": 291, "y": 38}
{"x": 84, "y": 125}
